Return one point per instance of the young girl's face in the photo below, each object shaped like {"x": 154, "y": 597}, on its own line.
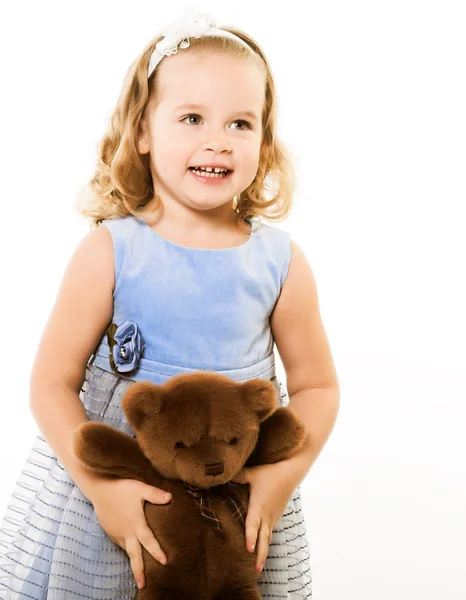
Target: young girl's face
{"x": 217, "y": 130}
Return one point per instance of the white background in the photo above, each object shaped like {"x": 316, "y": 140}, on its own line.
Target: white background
{"x": 372, "y": 103}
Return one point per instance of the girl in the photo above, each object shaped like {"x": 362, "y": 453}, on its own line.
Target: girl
{"x": 173, "y": 277}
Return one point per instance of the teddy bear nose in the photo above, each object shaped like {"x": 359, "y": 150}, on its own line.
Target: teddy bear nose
{"x": 214, "y": 468}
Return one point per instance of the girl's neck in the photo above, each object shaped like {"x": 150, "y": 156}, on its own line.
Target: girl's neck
{"x": 205, "y": 235}
{"x": 180, "y": 221}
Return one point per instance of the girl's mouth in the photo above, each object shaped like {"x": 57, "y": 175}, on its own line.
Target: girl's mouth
{"x": 210, "y": 177}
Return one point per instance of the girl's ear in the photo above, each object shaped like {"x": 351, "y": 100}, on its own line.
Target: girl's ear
{"x": 141, "y": 142}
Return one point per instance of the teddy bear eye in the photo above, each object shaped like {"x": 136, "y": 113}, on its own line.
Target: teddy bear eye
{"x": 233, "y": 441}
{"x": 180, "y": 445}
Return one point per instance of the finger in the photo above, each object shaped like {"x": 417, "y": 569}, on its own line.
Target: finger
{"x": 241, "y": 476}
{"x": 155, "y": 495}
{"x": 264, "y": 537}
{"x": 134, "y": 551}
{"x": 252, "y": 527}
{"x": 147, "y": 539}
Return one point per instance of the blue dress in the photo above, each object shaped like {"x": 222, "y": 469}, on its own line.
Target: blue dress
{"x": 196, "y": 309}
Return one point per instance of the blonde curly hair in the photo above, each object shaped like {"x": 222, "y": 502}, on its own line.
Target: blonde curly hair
{"x": 122, "y": 183}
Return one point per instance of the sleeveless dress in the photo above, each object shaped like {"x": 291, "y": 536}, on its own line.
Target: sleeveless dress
{"x": 196, "y": 309}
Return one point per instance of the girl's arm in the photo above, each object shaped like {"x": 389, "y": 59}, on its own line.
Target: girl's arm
{"x": 313, "y": 390}
{"x": 83, "y": 310}
{"x": 302, "y": 344}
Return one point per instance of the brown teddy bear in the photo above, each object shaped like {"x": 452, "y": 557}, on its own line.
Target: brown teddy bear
{"x": 194, "y": 433}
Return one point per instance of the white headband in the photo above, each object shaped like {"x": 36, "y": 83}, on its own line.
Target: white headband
{"x": 190, "y": 24}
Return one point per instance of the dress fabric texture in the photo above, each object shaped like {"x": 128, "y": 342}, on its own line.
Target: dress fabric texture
{"x": 196, "y": 309}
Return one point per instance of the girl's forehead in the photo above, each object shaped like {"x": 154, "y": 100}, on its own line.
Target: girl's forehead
{"x": 211, "y": 80}
{"x": 203, "y": 61}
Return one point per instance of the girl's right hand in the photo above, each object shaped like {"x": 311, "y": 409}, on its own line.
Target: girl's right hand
{"x": 119, "y": 507}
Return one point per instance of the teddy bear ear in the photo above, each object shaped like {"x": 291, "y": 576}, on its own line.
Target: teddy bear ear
{"x": 261, "y": 396}
{"x": 141, "y": 400}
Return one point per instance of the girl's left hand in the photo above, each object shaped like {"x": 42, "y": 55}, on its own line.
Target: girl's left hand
{"x": 270, "y": 491}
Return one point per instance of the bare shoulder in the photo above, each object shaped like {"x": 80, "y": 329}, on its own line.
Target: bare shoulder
{"x": 95, "y": 251}
{"x": 298, "y": 330}
{"x": 81, "y": 313}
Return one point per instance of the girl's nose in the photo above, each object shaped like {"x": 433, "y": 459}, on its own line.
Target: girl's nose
{"x": 217, "y": 144}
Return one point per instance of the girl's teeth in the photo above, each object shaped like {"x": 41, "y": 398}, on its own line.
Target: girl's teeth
{"x": 209, "y": 173}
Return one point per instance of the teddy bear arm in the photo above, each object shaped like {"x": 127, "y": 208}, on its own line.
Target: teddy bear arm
{"x": 111, "y": 452}
{"x": 281, "y": 435}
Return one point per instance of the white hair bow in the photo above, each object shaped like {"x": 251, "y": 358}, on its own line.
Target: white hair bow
{"x": 189, "y": 24}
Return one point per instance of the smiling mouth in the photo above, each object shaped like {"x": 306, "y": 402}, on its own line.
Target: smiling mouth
{"x": 211, "y": 174}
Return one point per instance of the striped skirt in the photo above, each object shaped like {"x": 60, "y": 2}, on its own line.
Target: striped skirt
{"x": 52, "y": 546}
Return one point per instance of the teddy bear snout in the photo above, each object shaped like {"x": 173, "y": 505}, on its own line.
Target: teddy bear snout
{"x": 214, "y": 468}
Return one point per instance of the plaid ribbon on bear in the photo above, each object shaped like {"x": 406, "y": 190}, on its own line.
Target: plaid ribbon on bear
{"x": 227, "y": 492}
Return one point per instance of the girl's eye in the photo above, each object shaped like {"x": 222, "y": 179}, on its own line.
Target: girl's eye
{"x": 247, "y": 124}
{"x": 188, "y": 117}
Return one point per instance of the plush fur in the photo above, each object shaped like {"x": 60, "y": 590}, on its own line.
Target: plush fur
{"x": 182, "y": 427}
